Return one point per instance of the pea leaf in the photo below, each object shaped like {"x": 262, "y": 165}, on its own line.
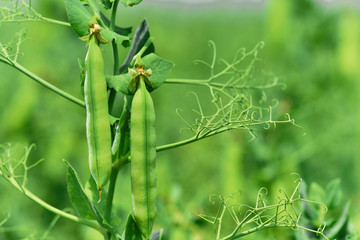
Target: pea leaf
{"x": 301, "y": 235}
{"x": 93, "y": 194}
{"x": 142, "y": 34}
{"x": 119, "y": 82}
{"x": 98, "y": 208}
{"x": 110, "y": 35}
{"x": 160, "y": 71}
{"x": 130, "y": 3}
{"x": 334, "y": 230}
{"x": 333, "y": 193}
{"x": 77, "y": 196}
{"x": 316, "y": 192}
{"x": 309, "y": 209}
{"x": 78, "y": 17}
{"x": 125, "y": 31}
{"x": 113, "y": 119}
{"x": 131, "y": 231}
{"x": 107, "y": 3}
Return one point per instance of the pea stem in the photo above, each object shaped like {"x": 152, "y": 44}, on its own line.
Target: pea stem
{"x": 57, "y": 211}
{"x": 187, "y": 81}
{"x": 208, "y": 82}
{"x": 113, "y": 15}
{"x": 115, "y": 169}
{"x": 113, "y": 44}
{"x": 50, "y": 20}
{"x": 46, "y": 84}
{"x": 116, "y": 57}
{"x": 142, "y": 50}
{"x": 111, "y": 190}
{"x": 112, "y": 93}
{"x": 189, "y": 140}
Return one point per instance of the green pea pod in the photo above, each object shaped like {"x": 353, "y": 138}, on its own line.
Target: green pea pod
{"x": 143, "y": 159}
{"x": 97, "y": 118}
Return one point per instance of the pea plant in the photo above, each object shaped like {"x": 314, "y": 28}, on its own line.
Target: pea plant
{"x": 114, "y": 140}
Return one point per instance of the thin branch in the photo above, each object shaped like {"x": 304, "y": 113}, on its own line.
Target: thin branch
{"x": 7, "y": 171}
{"x": 231, "y": 90}
{"x": 21, "y": 11}
{"x": 46, "y": 84}
{"x": 261, "y": 216}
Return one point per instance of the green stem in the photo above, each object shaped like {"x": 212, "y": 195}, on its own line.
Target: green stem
{"x": 57, "y": 211}
{"x": 116, "y": 57}
{"x": 142, "y": 50}
{"x": 208, "y": 82}
{"x": 176, "y": 144}
{"x": 113, "y": 14}
{"x": 113, "y": 43}
{"x": 189, "y": 140}
{"x": 112, "y": 94}
{"x": 111, "y": 190}
{"x": 115, "y": 169}
{"x": 55, "y": 21}
{"x": 250, "y": 231}
{"x": 111, "y": 100}
{"x": 255, "y": 229}
{"x": 47, "y": 84}
{"x": 187, "y": 81}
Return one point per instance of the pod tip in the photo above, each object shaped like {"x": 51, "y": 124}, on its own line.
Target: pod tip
{"x": 100, "y": 190}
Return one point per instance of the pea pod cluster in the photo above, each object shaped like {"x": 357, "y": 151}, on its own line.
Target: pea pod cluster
{"x": 143, "y": 157}
{"x": 97, "y": 118}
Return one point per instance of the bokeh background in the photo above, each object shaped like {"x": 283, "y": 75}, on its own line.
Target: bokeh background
{"x": 312, "y": 46}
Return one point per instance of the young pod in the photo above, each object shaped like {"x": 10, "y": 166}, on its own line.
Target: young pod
{"x": 143, "y": 159}
{"x": 97, "y": 118}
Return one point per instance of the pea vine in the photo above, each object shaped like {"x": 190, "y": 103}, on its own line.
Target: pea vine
{"x": 249, "y": 219}
{"x": 230, "y": 95}
{"x": 22, "y": 11}
{"x": 234, "y": 107}
{"x": 14, "y": 168}
{"x": 9, "y": 54}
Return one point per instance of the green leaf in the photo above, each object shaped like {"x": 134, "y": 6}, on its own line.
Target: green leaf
{"x": 113, "y": 119}
{"x": 157, "y": 235}
{"x": 131, "y": 231}
{"x": 130, "y": 3}
{"x": 309, "y": 209}
{"x": 160, "y": 71}
{"x": 335, "y": 229}
{"x": 301, "y": 235}
{"x": 107, "y": 3}
{"x": 316, "y": 193}
{"x": 78, "y": 17}
{"x": 98, "y": 208}
{"x": 93, "y": 194}
{"x": 333, "y": 193}
{"x": 119, "y": 82}
{"x": 125, "y": 31}
{"x": 110, "y": 35}
{"x": 141, "y": 36}
{"x": 77, "y": 196}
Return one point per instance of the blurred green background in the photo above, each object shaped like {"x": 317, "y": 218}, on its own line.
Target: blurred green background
{"x": 315, "y": 51}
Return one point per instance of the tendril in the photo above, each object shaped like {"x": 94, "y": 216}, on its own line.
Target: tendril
{"x": 249, "y": 219}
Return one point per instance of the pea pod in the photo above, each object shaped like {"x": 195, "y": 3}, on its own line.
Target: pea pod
{"x": 143, "y": 158}
{"x": 97, "y": 118}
